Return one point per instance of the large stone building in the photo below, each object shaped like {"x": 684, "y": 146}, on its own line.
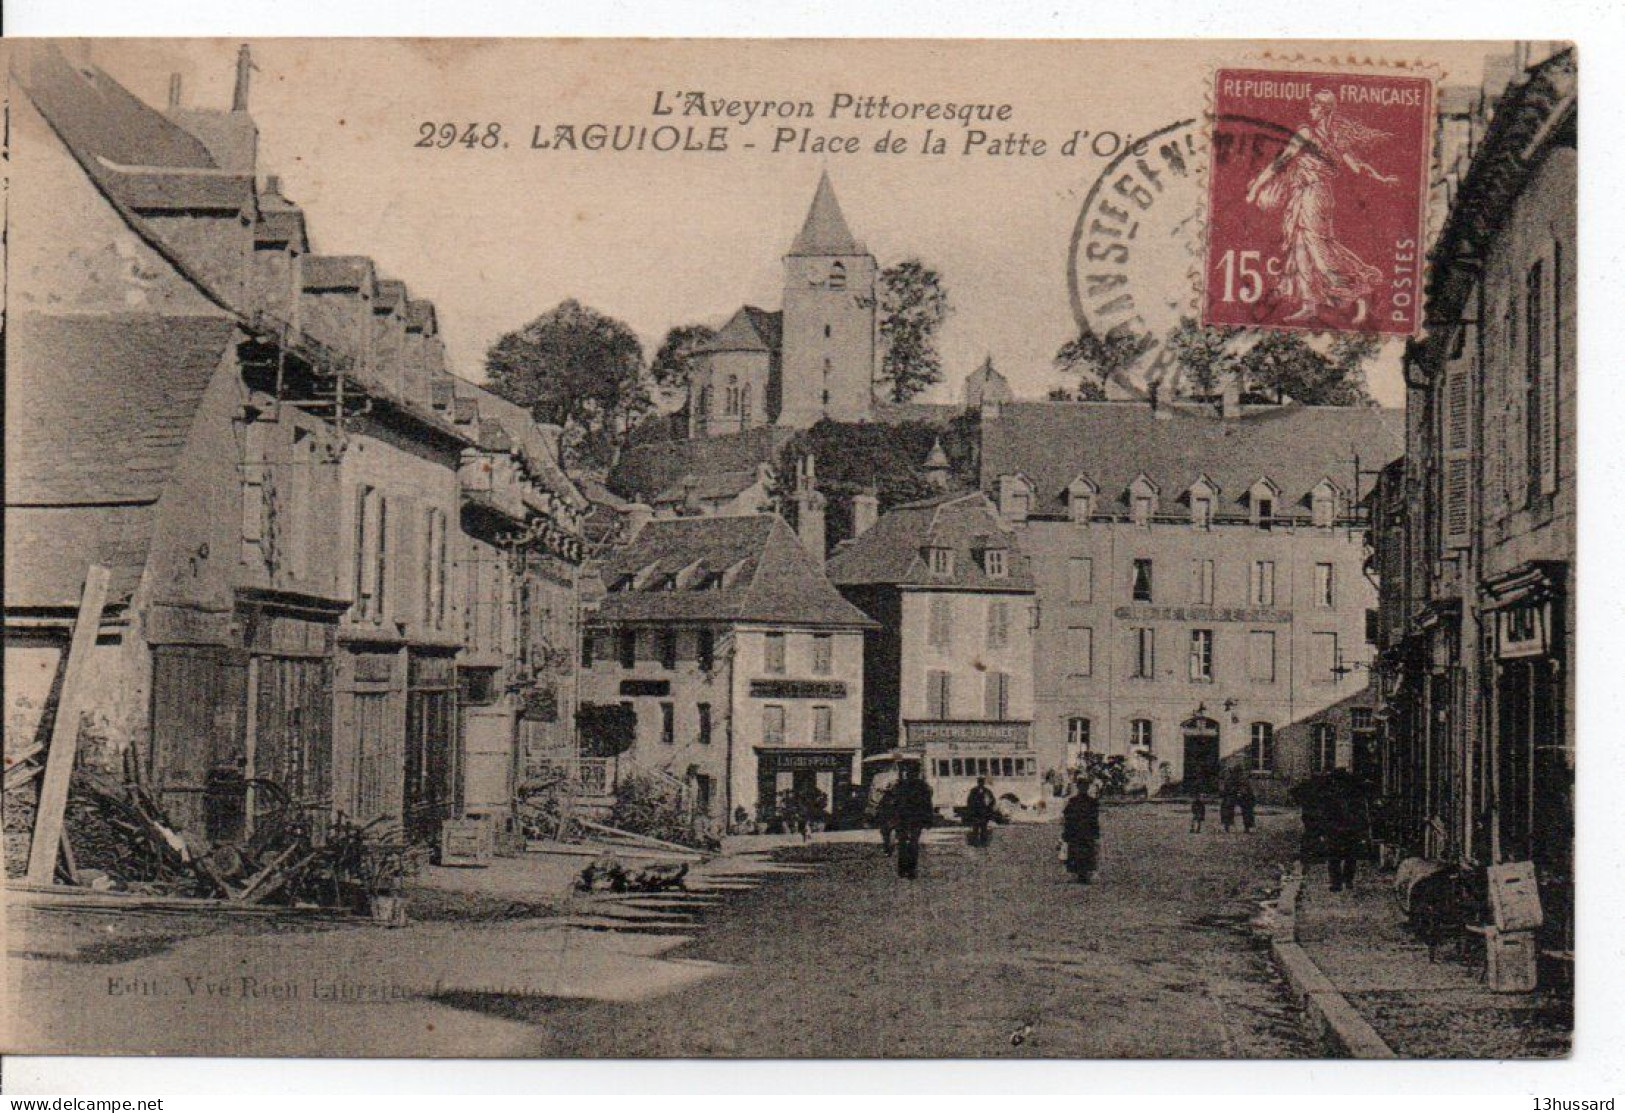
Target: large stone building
{"x": 812, "y": 359}
{"x": 1476, "y": 529}
{"x": 321, "y": 544}
{"x": 1200, "y": 581}
{"x": 948, "y": 670}
{"x": 742, "y": 662}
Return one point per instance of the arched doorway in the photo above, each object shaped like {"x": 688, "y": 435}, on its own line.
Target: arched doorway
{"x": 1201, "y": 755}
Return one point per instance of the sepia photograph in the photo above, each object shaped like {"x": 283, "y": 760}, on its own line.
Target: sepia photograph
{"x": 790, "y": 549}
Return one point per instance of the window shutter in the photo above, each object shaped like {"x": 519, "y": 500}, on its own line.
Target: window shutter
{"x": 405, "y": 545}
{"x": 1458, "y": 460}
{"x": 1548, "y": 384}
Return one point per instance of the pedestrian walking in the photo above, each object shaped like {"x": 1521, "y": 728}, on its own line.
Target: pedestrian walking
{"x": 886, "y": 817}
{"x": 1080, "y": 830}
{"x": 1198, "y": 813}
{"x": 1345, "y": 823}
{"x": 1227, "y": 810}
{"x": 915, "y": 812}
{"x": 980, "y": 808}
{"x": 1249, "y": 807}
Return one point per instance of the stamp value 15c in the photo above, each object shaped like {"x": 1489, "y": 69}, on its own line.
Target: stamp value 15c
{"x": 1317, "y": 199}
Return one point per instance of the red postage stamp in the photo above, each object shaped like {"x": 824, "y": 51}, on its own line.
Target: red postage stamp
{"x": 1317, "y": 199}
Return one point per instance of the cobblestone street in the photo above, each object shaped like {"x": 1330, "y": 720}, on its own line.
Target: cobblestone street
{"x": 989, "y": 953}
{"x": 827, "y": 953}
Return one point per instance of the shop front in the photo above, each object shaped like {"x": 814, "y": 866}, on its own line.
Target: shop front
{"x": 786, "y": 775}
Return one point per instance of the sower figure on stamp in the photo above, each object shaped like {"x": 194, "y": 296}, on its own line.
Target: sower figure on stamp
{"x": 1080, "y": 830}
{"x": 1318, "y": 268}
{"x": 980, "y": 807}
{"x": 914, "y": 813}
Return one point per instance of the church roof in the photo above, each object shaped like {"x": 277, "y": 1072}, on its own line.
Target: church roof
{"x": 987, "y": 384}
{"x": 825, "y": 231}
{"x": 749, "y": 330}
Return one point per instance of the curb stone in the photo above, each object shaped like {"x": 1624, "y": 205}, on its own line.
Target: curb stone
{"x": 1328, "y": 1015}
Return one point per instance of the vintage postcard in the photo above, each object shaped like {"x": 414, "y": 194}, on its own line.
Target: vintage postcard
{"x": 746, "y": 548}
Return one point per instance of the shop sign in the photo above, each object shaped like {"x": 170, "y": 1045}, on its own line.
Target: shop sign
{"x": 985, "y": 733}
{"x": 1524, "y": 631}
{"x": 1203, "y": 614}
{"x": 821, "y": 761}
{"x": 798, "y": 689}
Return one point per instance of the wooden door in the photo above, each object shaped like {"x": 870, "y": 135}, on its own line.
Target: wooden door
{"x": 293, "y": 731}
{"x": 199, "y": 700}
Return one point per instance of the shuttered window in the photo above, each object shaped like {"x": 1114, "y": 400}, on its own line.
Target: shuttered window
{"x": 942, "y": 626}
{"x": 938, "y": 695}
{"x": 1261, "y": 655}
{"x": 1080, "y": 650}
{"x": 998, "y": 625}
{"x": 996, "y": 696}
{"x": 1080, "y": 573}
{"x": 1458, "y": 490}
{"x": 773, "y": 725}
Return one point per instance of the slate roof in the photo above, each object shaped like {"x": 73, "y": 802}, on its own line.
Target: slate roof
{"x": 48, "y": 549}
{"x": 97, "y": 115}
{"x": 777, "y": 581}
{"x": 645, "y": 470}
{"x": 338, "y": 272}
{"x": 98, "y": 409}
{"x": 749, "y": 330}
{"x": 1112, "y": 443}
{"x": 710, "y": 486}
{"x": 892, "y": 551}
{"x": 825, "y": 231}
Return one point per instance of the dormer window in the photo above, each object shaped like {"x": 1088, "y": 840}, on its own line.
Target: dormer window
{"x": 1203, "y": 496}
{"x": 837, "y": 276}
{"x": 1262, "y": 498}
{"x": 993, "y": 563}
{"x": 1142, "y": 499}
{"x": 941, "y": 560}
{"x": 1323, "y": 504}
{"x": 1080, "y": 499}
{"x": 1015, "y": 497}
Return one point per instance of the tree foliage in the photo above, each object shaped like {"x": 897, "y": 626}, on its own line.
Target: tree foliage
{"x": 1098, "y": 358}
{"x": 674, "y": 361}
{"x": 913, "y": 305}
{"x": 887, "y": 460}
{"x": 606, "y": 729}
{"x": 576, "y": 368}
{"x": 1272, "y": 366}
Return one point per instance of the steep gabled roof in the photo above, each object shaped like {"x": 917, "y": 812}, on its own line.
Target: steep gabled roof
{"x": 776, "y": 580}
{"x": 749, "y": 330}
{"x": 892, "y": 550}
{"x": 711, "y": 486}
{"x": 98, "y": 409}
{"x": 1115, "y": 442}
{"x": 825, "y": 232}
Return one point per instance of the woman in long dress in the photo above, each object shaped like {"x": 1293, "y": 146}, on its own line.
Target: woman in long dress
{"x": 1080, "y": 830}
{"x": 1318, "y": 269}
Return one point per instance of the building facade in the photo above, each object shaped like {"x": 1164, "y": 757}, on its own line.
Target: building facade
{"x": 743, "y": 665}
{"x": 948, "y": 669}
{"x": 264, "y": 447}
{"x": 1199, "y": 581}
{"x": 1477, "y": 531}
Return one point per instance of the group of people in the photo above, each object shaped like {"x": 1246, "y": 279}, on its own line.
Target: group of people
{"x": 1234, "y": 798}
{"x": 905, "y": 810}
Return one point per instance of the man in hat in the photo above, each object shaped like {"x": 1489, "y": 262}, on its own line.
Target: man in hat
{"x": 980, "y": 807}
{"x": 915, "y": 812}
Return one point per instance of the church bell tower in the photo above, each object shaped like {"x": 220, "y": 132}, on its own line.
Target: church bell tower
{"x": 829, "y": 320}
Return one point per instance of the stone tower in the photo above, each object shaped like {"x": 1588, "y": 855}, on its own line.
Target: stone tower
{"x": 829, "y": 320}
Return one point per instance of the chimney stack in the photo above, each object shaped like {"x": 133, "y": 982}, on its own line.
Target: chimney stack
{"x": 174, "y": 91}
{"x": 865, "y": 512}
{"x": 273, "y": 185}
{"x": 239, "y": 94}
{"x": 810, "y": 509}
{"x": 691, "y": 496}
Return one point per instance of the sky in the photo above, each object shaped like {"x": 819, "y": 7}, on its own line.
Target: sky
{"x": 498, "y": 234}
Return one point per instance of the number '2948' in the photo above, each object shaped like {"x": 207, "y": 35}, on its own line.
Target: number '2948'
{"x": 472, "y": 136}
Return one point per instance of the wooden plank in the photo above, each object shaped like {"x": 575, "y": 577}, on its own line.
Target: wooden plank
{"x": 634, "y": 837}
{"x": 53, "y": 796}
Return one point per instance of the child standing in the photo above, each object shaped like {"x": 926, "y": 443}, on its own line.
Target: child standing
{"x": 1198, "y": 813}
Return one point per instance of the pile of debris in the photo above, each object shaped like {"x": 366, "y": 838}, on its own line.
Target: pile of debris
{"x": 611, "y": 875}
{"x": 117, "y": 839}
